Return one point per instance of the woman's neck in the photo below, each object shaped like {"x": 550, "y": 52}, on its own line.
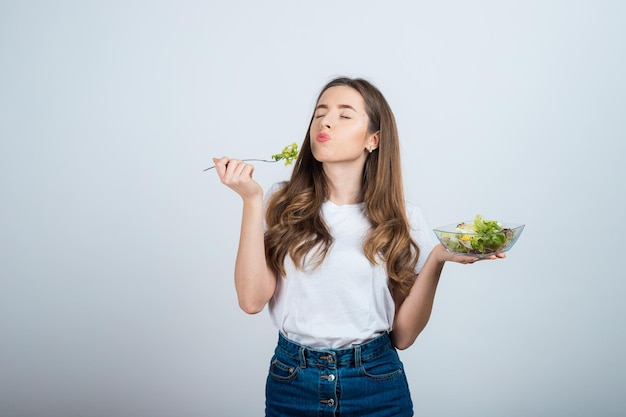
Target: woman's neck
{"x": 344, "y": 184}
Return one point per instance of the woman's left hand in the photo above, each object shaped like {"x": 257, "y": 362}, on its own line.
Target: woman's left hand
{"x": 444, "y": 256}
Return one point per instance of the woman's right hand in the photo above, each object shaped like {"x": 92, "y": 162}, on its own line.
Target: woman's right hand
{"x": 237, "y": 175}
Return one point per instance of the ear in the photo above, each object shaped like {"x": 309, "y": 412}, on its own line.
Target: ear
{"x": 373, "y": 140}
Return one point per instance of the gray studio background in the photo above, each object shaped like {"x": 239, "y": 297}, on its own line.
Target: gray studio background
{"x": 117, "y": 251}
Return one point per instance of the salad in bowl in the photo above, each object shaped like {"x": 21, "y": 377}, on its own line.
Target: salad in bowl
{"x": 480, "y": 238}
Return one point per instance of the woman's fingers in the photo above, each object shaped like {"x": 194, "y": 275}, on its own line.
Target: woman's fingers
{"x": 228, "y": 168}
{"x": 220, "y": 166}
{"x": 240, "y": 169}
{"x": 471, "y": 259}
{"x": 237, "y": 175}
{"x": 237, "y": 171}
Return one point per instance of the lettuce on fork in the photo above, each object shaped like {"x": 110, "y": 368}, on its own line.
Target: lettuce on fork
{"x": 289, "y": 153}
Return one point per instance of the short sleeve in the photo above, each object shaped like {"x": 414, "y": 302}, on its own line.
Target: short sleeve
{"x": 268, "y": 194}
{"x": 422, "y": 234}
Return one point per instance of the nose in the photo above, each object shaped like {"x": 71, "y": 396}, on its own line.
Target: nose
{"x": 325, "y": 123}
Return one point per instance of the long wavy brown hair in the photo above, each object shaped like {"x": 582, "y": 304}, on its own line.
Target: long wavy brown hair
{"x": 295, "y": 226}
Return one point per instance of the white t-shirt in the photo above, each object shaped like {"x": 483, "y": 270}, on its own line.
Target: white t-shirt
{"x": 346, "y": 300}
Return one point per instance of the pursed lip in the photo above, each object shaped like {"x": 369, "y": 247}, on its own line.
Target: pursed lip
{"x": 322, "y": 137}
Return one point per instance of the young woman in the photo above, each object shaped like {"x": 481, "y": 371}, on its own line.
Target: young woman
{"x": 347, "y": 268}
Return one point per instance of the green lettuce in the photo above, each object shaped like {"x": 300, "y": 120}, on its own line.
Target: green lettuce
{"x": 480, "y": 237}
{"x": 289, "y": 153}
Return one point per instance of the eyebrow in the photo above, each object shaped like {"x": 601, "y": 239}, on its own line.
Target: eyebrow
{"x": 341, "y": 106}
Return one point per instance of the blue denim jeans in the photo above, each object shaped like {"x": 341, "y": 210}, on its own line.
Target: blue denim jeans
{"x": 364, "y": 380}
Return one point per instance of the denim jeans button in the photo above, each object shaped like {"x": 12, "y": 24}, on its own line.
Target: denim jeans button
{"x": 331, "y": 377}
{"x": 331, "y": 402}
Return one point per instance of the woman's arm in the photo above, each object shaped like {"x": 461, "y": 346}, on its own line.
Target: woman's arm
{"x": 413, "y": 312}
{"x": 254, "y": 280}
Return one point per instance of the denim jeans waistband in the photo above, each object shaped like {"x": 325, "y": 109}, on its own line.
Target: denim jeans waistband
{"x": 351, "y": 356}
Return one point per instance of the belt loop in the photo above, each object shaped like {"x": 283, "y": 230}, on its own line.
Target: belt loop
{"x": 357, "y": 356}
{"x": 302, "y": 357}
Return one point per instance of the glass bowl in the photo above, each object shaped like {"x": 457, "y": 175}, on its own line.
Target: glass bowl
{"x": 479, "y": 245}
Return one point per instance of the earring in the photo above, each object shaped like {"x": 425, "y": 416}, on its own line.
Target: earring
{"x": 370, "y": 150}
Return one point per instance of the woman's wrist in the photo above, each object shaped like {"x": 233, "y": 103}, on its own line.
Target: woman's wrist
{"x": 440, "y": 254}
{"x": 253, "y": 200}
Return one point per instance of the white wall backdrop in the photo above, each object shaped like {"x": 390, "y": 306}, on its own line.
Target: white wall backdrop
{"x": 117, "y": 251}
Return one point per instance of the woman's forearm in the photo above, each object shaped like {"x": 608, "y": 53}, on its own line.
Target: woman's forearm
{"x": 414, "y": 312}
{"x": 254, "y": 281}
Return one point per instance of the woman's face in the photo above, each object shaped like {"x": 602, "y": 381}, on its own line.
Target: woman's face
{"x": 339, "y": 131}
